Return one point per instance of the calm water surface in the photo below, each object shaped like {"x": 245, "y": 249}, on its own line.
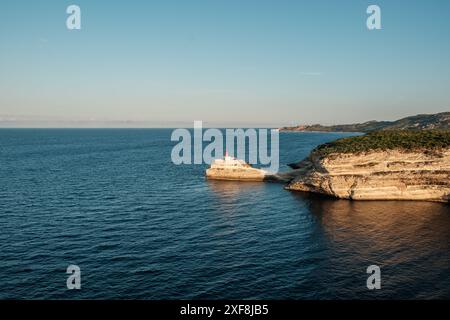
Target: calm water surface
{"x": 139, "y": 227}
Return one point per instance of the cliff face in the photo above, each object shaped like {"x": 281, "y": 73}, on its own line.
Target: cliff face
{"x": 240, "y": 174}
{"x": 377, "y": 175}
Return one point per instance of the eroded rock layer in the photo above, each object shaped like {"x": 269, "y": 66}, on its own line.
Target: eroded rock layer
{"x": 377, "y": 175}
{"x": 240, "y": 174}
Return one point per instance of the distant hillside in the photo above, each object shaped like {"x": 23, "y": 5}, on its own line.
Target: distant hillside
{"x": 439, "y": 121}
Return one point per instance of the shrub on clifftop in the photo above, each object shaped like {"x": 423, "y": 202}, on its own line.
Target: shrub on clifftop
{"x": 388, "y": 140}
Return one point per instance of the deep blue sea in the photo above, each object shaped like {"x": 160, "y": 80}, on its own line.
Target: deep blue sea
{"x": 140, "y": 227}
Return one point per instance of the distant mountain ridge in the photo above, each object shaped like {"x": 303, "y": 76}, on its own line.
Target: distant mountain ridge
{"x": 440, "y": 121}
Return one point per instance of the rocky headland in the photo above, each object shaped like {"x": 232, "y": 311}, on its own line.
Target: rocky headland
{"x": 383, "y": 165}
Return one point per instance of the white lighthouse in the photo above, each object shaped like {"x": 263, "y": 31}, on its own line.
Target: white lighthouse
{"x": 230, "y": 168}
{"x": 227, "y": 158}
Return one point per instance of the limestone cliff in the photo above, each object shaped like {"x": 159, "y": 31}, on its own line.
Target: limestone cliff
{"x": 238, "y": 173}
{"x": 377, "y": 175}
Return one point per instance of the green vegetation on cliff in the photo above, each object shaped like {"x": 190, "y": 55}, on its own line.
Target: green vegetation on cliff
{"x": 388, "y": 140}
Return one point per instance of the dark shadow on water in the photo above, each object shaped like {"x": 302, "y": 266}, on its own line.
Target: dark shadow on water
{"x": 385, "y": 223}
{"x": 329, "y": 243}
{"x": 409, "y": 240}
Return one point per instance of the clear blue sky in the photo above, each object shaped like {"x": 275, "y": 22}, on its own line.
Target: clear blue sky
{"x": 245, "y": 62}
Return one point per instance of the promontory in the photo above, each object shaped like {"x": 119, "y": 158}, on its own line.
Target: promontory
{"x": 380, "y": 165}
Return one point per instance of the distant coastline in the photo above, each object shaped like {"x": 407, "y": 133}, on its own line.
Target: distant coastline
{"x": 440, "y": 121}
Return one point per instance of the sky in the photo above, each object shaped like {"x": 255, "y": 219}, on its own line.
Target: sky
{"x": 225, "y": 62}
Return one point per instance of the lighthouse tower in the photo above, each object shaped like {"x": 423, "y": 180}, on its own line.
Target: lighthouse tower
{"x": 227, "y": 157}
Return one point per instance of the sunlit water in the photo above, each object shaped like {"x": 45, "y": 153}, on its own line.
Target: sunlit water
{"x": 111, "y": 202}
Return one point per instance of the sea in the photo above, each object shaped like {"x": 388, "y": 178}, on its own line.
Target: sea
{"x": 112, "y": 203}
